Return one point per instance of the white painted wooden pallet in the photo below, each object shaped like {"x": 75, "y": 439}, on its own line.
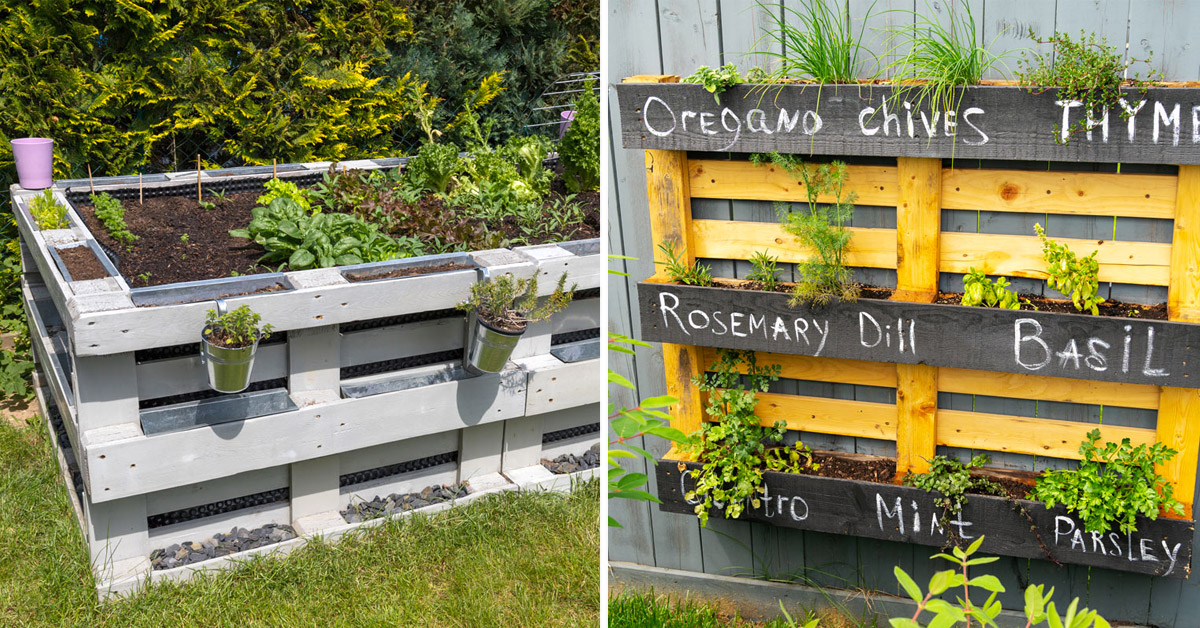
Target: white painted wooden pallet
{"x": 85, "y": 335}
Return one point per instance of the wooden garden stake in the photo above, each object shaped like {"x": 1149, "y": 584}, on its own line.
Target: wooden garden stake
{"x": 274, "y": 171}
{"x": 139, "y": 188}
{"x": 198, "y": 198}
{"x": 91, "y": 185}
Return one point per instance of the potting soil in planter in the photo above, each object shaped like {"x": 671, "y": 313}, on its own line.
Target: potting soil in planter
{"x": 81, "y": 262}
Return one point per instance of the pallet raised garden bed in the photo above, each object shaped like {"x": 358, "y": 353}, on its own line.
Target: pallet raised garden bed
{"x": 907, "y": 342}
{"x": 359, "y": 393}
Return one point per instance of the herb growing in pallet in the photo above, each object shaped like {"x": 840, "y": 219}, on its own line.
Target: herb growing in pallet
{"x": 48, "y": 213}
{"x": 1113, "y": 484}
{"x": 679, "y": 272}
{"x": 110, "y": 212}
{"x": 822, "y": 228}
{"x": 1076, "y": 277}
{"x": 795, "y": 459}
{"x": 239, "y": 328}
{"x": 820, "y": 42}
{"x": 1085, "y": 71}
{"x": 979, "y": 290}
{"x": 715, "y": 80}
{"x": 509, "y": 303}
{"x": 763, "y": 274}
{"x": 732, "y": 449}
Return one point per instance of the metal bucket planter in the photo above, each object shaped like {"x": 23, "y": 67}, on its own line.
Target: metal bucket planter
{"x": 487, "y": 348}
{"x": 228, "y": 368}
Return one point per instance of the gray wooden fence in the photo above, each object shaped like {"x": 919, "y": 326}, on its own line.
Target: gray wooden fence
{"x": 676, "y": 36}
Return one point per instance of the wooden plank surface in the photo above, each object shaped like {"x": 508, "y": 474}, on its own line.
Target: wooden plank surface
{"x": 1183, "y": 291}
{"x": 712, "y": 178}
{"x": 989, "y": 339}
{"x": 918, "y": 222}
{"x": 907, "y": 514}
{"x": 917, "y": 417}
{"x": 828, "y": 416}
{"x": 1021, "y": 256}
{"x": 735, "y": 239}
{"x": 1074, "y": 193}
{"x": 995, "y": 122}
{"x": 1025, "y": 435}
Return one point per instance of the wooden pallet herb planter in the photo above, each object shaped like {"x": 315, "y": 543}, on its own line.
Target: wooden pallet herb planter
{"x": 908, "y": 344}
{"x": 1162, "y": 547}
{"x": 358, "y": 392}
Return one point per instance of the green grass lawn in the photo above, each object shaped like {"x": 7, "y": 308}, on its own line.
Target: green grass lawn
{"x": 636, "y": 609}
{"x": 510, "y": 559}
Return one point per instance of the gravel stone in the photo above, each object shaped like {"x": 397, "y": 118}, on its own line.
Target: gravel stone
{"x": 384, "y": 506}
{"x": 572, "y": 463}
{"x": 237, "y": 540}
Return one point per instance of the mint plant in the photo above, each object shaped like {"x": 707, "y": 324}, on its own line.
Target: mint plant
{"x": 953, "y": 480}
{"x": 1113, "y": 484}
{"x": 47, "y": 212}
{"x": 1076, "y": 277}
{"x": 822, "y": 228}
{"x": 236, "y": 329}
{"x": 979, "y": 290}
{"x": 679, "y": 272}
{"x": 112, "y": 214}
{"x": 509, "y": 303}
{"x": 732, "y": 449}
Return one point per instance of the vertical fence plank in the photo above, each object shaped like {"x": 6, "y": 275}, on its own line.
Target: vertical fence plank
{"x": 916, "y": 427}
{"x": 1166, "y": 28}
{"x": 689, "y": 35}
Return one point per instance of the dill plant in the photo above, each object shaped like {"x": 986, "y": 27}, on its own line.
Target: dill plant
{"x": 821, "y": 227}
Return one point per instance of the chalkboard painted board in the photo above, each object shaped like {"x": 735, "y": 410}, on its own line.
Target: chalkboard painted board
{"x": 988, "y": 122}
{"x": 1161, "y": 547}
{"x": 988, "y": 339}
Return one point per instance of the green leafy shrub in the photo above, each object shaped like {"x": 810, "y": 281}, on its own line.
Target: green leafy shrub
{"x": 510, "y": 303}
{"x": 291, "y": 236}
{"x": 1113, "y": 484}
{"x": 1076, "y": 277}
{"x": 580, "y": 146}
{"x": 48, "y": 213}
{"x": 679, "y": 272}
{"x": 240, "y": 327}
{"x": 822, "y": 228}
{"x": 953, "y": 480}
{"x": 279, "y": 189}
{"x": 732, "y": 449}
{"x": 110, "y": 212}
{"x": 716, "y": 80}
{"x": 979, "y": 290}
{"x": 434, "y": 167}
{"x": 1085, "y": 70}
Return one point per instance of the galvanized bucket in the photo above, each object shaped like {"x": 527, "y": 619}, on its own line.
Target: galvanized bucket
{"x": 228, "y": 368}
{"x": 487, "y": 348}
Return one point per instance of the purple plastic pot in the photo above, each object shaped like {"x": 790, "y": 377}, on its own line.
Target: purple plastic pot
{"x": 567, "y": 118}
{"x": 35, "y": 162}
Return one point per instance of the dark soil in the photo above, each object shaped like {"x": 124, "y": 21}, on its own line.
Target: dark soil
{"x": 160, "y": 256}
{"x": 275, "y": 287}
{"x": 866, "y": 469}
{"x": 1115, "y": 309}
{"x": 414, "y": 270}
{"x": 82, "y": 263}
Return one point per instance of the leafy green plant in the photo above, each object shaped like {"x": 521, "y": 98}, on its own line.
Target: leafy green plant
{"x": 939, "y": 56}
{"x": 1086, "y": 71}
{"x": 292, "y": 236}
{"x": 732, "y": 447}
{"x": 237, "y": 328}
{"x": 953, "y": 480}
{"x": 112, "y": 214}
{"x": 207, "y": 205}
{"x": 220, "y": 197}
{"x": 579, "y": 148}
{"x": 510, "y": 303}
{"x": 822, "y": 228}
{"x": 434, "y": 167}
{"x": 277, "y": 188}
{"x": 1113, "y": 484}
{"x": 529, "y": 153}
{"x": 716, "y": 80}
{"x": 764, "y": 272}
{"x": 1076, "y": 277}
{"x": 795, "y": 459}
{"x": 1039, "y": 606}
{"x": 819, "y": 41}
{"x": 47, "y": 212}
{"x": 184, "y": 238}
{"x": 679, "y": 272}
{"x": 979, "y": 290}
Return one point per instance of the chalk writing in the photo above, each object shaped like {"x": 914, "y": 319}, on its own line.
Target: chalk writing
{"x": 1033, "y": 353}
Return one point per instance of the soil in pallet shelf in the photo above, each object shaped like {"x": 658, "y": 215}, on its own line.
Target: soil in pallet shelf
{"x": 1110, "y": 308}
{"x": 81, "y": 262}
{"x": 162, "y": 255}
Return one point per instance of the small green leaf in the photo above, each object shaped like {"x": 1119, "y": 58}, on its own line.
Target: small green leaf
{"x": 909, "y": 585}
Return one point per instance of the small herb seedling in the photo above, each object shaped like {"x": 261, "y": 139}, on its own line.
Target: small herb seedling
{"x": 206, "y": 205}
{"x": 1071, "y": 276}
{"x": 764, "y": 272}
{"x": 184, "y": 238}
{"x": 236, "y": 329}
{"x": 979, "y": 290}
{"x": 110, "y": 212}
{"x": 678, "y": 271}
{"x": 511, "y": 303}
{"x": 219, "y": 197}
{"x": 795, "y": 459}
{"x": 47, "y": 212}
{"x": 716, "y": 80}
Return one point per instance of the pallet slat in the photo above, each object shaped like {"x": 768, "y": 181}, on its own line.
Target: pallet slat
{"x": 1024, "y": 435}
{"x": 742, "y": 180}
{"x": 1071, "y": 193}
{"x": 735, "y": 239}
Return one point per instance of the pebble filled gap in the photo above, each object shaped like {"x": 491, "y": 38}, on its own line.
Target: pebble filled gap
{"x": 571, "y": 463}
